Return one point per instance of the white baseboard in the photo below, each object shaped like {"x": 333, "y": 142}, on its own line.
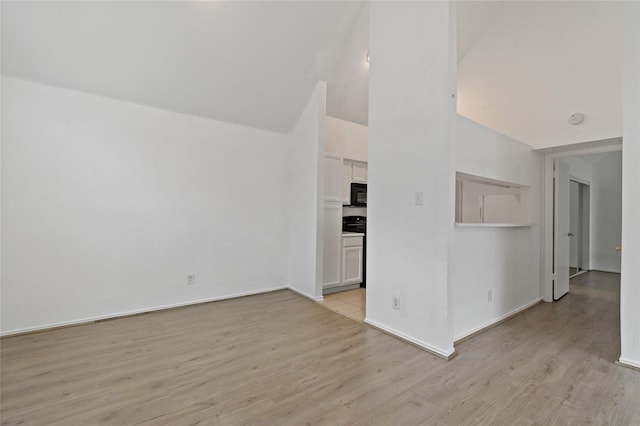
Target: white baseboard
{"x": 89, "y": 320}
{"x": 340, "y": 288}
{"x": 423, "y": 345}
{"x": 603, "y": 270}
{"x": 305, "y": 294}
{"x": 577, "y": 274}
{"x": 497, "y": 320}
{"x": 629, "y": 363}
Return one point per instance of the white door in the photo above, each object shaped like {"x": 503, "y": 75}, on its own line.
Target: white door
{"x": 561, "y": 231}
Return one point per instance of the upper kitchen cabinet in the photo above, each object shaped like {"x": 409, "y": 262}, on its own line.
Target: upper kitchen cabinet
{"x": 350, "y": 142}
{"x": 332, "y": 181}
{"x": 358, "y": 172}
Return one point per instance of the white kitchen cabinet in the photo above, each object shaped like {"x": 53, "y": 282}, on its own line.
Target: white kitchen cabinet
{"x": 359, "y": 172}
{"x": 331, "y": 244}
{"x": 346, "y": 182}
{"x": 332, "y": 177}
{"x": 332, "y": 224}
{"x": 352, "y": 253}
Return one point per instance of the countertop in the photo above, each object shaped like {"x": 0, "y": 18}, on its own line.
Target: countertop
{"x": 352, "y": 234}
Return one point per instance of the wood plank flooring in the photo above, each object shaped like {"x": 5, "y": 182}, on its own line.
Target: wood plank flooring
{"x": 350, "y": 304}
{"x": 279, "y": 359}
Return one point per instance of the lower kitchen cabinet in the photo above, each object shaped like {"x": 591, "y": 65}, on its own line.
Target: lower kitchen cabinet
{"x": 352, "y": 252}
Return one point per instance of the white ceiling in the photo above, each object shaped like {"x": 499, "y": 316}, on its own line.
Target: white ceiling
{"x": 538, "y": 62}
{"x": 474, "y": 17}
{"x": 251, "y": 63}
{"x": 524, "y": 67}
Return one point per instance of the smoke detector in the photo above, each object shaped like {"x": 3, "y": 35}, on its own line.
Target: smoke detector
{"x": 576, "y": 118}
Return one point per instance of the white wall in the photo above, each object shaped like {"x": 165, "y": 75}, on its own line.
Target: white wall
{"x": 578, "y": 168}
{"x": 108, "y": 205}
{"x": 606, "y": 212}
{"x": 630, "y": 278}
{"x": 306, "y": 189}
{"x": 410, "y": 86}
{"x": 505, "y": 261}
{"x": 501, "y": 205}
{"x": 347, "y": 139}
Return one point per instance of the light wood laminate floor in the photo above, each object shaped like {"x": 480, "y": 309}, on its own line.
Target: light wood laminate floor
{"x": 279, "y": 359}
{"x": 350, "y": 304}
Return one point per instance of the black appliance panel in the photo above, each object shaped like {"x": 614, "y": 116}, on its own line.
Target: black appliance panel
{"x": 359, "y": 195}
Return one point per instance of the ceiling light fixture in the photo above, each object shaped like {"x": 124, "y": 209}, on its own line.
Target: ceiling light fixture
{"x": 576, "y": 118}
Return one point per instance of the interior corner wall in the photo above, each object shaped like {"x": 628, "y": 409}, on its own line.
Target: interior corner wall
{"x": 505, "y": 261}
{"x": 410, "y": 150}
{"x": 606, "y": 213}
{"x": 630, "y": 276}
{"x": 108, "y": 206}
{"x": 306, "y": 156}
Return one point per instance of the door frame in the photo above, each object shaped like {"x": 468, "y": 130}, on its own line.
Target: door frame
{"x": 550, "y": 155}
{"x": 584, "y": 249}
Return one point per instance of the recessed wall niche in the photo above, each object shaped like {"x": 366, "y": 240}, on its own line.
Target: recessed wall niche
{"x": 481, "y": 200}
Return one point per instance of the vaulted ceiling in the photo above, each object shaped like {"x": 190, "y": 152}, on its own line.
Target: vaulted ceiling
{"x": 535, "y": 63}
{"x": 523, "y": 67}
{"x": 251, "y": 63}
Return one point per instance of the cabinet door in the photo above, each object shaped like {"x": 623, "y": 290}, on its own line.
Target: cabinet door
{"x": 346, "y": 182}
{"x": 332, "y": 178}
{"x": 352, "y": 265}
{"x": 331, "y": 243}
{"x": 359, "y": 172}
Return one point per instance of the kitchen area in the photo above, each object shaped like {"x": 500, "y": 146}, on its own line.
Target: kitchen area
{"x": 345, "y": 218}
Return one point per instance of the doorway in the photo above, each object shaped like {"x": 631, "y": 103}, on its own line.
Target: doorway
{"x": 596, "y": 165}
{"x": 579, "y": 215}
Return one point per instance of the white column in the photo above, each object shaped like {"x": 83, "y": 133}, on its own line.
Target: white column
{"x": 630, "y": 278}
{"x": 411, "y": 108}
{"x": 306, "y": 192}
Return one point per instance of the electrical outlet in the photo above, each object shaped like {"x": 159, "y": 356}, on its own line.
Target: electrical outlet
{"x": 489, "y": 296}
{"x": 191, "y": 279}
{"x": 419, "y": 198}
{"x": 395, "y": 304}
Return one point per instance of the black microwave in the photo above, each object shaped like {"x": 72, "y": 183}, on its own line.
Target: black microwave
{"x": 359, "y": 194}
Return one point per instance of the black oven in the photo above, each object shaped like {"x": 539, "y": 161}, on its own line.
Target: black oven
{"x": 359, "y": 194}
